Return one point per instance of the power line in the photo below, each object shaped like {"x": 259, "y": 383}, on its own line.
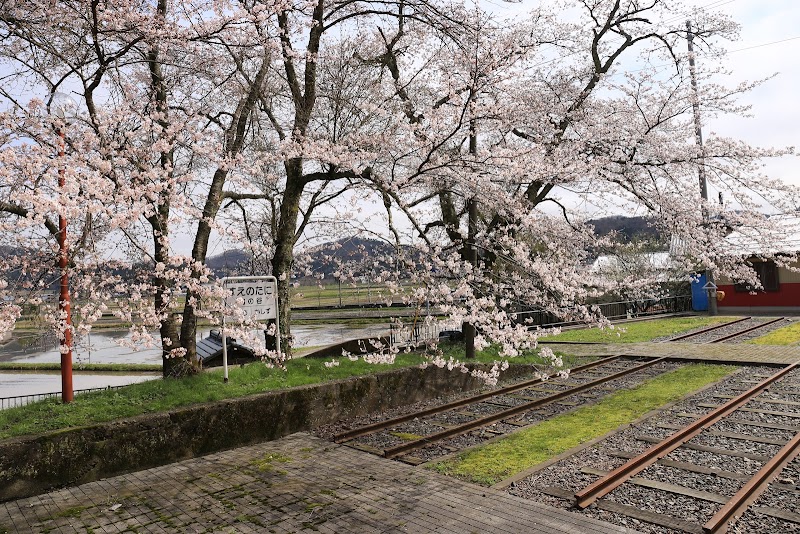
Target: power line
{"x": 663, "y": 66}
{"x": 763, "y": 44}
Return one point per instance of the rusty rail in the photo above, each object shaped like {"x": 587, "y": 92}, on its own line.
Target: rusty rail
{"x": 747, "y": 330}
{"x": 620, "y": 475}
{"x": 748, "y": 493}
{"x": 374, "y": 427}
{"x": 393, "y": 452}
{"x": 706, "y": 330}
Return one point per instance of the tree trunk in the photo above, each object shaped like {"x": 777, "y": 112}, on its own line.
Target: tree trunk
{"x": 168, "y": 330}
{"x": 199, "y": 253}
{"x": 285, "y": 239}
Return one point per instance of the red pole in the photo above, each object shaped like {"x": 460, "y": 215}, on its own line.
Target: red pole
{"x": 64, "y": 307}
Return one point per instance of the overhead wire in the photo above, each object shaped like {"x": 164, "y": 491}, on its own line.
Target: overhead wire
{"x": 663, "y": 66}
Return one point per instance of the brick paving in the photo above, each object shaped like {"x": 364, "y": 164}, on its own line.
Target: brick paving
{"x": 296, "y": 484}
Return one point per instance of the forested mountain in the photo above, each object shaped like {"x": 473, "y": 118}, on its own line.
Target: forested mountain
{"x": 628, "y": 228}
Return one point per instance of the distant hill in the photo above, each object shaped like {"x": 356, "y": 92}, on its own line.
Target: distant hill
{"x": 629, "y": 228}
{"x": 363, "y": 256}
{"x": 367, "y": 256}
{"x": 230, "y": 263}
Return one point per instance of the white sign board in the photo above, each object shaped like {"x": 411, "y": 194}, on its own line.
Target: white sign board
{"x": 710, "y": 286}
{"x": 256, "y": 297}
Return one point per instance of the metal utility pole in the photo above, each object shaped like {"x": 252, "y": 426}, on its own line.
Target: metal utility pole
{"x": 63, "y": 299}
{"x": 472, "y": 252}
{"x": 64, "y": 108}
{"x": 698, "y": 136}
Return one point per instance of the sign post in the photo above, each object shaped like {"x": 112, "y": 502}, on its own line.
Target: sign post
{"x": 257, "y": 297}
{"x": 711, "y": 291}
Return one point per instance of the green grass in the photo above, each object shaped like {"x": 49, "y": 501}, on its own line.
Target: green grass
{"x": 637, "y": 332}
{"x": 89, "y": 367}
{"x": 788, "y": 335}
{"x": 406, "y": 436}
{"x": 162, "y": 395}
{"x": 497, "y": 461}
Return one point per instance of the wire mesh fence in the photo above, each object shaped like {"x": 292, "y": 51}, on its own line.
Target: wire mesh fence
{"x": 22, "y": 400}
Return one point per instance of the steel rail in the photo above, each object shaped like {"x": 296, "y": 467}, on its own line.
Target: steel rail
{"x": 706, "y": 330}
{"x": 747, "y": 330}
{"x": 748, "y": 493}
{"x": 489, "y": 419}
{"x": 618, "y": 476}
{"x": 382, "y": 425}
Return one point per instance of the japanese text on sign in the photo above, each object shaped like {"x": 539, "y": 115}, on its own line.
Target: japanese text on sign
{"x": 256, "y": 298}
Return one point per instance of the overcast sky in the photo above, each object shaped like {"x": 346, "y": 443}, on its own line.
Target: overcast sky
{"x": 775, "y": 105}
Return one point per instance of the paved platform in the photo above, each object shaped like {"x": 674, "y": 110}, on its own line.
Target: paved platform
{"x": 296, "y": 484}
{"x": 728, "y": 352}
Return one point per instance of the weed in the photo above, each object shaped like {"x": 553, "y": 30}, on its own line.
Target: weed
{"x": 265, "y": 463}
{"x": 310, "y": 507}
{"x": 406, "y": 436}
{"x": 73, "y": 512}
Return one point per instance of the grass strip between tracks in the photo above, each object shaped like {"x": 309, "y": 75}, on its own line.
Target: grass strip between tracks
{"x": 638, "y": 332}
{"x": 489, "y": 464}
{"x": 788, "y": 335}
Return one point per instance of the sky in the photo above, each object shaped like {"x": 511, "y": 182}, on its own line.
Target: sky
{"x": 775, "y": 105}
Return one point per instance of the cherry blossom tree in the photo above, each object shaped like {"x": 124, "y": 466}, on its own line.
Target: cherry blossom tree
{"x": 554, "y": 114}
{"x": 275, "y": 123}
{"x": 162, "y": 130}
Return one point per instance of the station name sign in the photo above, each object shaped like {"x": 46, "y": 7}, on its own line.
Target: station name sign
{"x": 257, "y": 298}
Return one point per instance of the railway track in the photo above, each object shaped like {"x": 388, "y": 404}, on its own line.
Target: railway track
{"x": 431, "y": 433}
{"x": 740, "y": 453}
{"x": 732, "y": 330}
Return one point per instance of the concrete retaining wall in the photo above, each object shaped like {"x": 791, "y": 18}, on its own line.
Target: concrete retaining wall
{"x": 32, "y": 465}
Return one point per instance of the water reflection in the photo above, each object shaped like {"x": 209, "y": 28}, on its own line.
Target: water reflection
{"x": 103, "y": 346}
{"x": 16, "y": 383}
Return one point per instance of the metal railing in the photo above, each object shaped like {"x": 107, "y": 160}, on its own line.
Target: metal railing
{"x": 628, "y": 309}
{"x": 404, "y": 334}
{"x": 22, "y": 400}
